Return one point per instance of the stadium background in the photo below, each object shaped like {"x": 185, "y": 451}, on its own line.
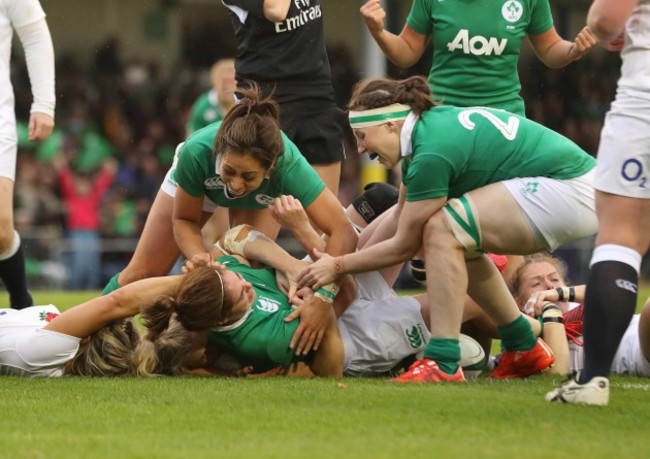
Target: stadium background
{"x": 128, "y": 72}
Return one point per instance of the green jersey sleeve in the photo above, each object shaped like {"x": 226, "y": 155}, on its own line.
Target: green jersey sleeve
{"x": 541, "y": 19}
{"x": 419, "y": 19}
{"x": 196, "y": 161}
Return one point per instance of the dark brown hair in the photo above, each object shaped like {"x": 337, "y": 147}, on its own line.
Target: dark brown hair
{"x": 252, "y": 127}
{"x": 199, "y": 303}
{"x": 380, "y": 92}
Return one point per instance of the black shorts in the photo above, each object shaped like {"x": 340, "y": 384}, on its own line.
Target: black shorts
{"x": 316, "y": 126}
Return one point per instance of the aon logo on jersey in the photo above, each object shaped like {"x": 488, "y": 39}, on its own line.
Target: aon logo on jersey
{"x": 477, "y": 45}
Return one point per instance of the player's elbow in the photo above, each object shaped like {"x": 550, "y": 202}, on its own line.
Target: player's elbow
{"x": 603, "y": 26}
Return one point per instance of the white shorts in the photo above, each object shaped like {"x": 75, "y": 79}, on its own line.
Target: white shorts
{"x": 629, "y": 359}
{"x": 169, "y": 185}
{"x": 624, "y": 152}
{"x": 558, "y": 211}
{"x": 28, "y": 350}
{"x": 8, "y": 153}
{"x": 380, "y": 328}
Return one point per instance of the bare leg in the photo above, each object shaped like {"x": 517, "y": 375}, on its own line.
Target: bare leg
{"x": 623, "y": 237}
{"x": 12, "y": 258}
{"x": 644, "y": 330}
{"x": 446, "y": 277}
{"x": 6, "y": 213}
{"x": 157, "y": 250}
{"x": 330, "y": 174}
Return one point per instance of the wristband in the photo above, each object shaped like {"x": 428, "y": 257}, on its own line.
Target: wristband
{"x": 548, "y": 307}
{"x": 323, "y": 297}
{"x": 572, "y": 294}
{"x": 551, "y": 313}
{"x": 327, "y": 292}
{"x": 557, "y": 320}
{"x": 563, "y": 293}
{"x": 324, "y": 294}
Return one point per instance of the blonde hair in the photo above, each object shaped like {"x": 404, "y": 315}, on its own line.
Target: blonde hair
{"x": 172, "y": 343}
{"x": 117, "y": 349}
{"x": 114, "y": 350}
{"x": 542, "y": 257}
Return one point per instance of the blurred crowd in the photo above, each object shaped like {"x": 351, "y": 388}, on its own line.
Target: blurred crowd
{"x": 118, "y": 124}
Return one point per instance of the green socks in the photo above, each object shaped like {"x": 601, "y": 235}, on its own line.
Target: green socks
{"x": 517, "y": 335}
{"x": 112, "y": 285}
{"x": 445, "y": 352}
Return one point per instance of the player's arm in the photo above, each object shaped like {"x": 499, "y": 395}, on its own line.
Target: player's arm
{"x": 39, "y": 56}
{"x": 83, "y": 320}
{"x": 276, "y": 10}
{"x": 186, "y": 220}
{"x": 401, "y": 247}
{"x": 288, "y": 212}
{"x": 556, "y": 52}
{"x": 554, "y": 334}
{"x": 404, "y": 49}
{"x": 247, "y": 242}
{"x": 606, "y": 18}
{"x": 328, "y": 216}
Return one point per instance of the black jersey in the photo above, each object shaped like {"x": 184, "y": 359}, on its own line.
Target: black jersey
{"x": 288, "y": 57}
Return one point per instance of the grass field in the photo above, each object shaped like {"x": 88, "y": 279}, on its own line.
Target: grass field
{"x": 318, "y": 418}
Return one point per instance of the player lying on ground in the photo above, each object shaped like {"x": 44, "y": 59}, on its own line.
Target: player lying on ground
{"x": 540, "y": 289}
{"x": 98, "y": 338}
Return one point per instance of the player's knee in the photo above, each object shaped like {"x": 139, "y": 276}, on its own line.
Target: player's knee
{"x": 7, "y": 238}
{"x": 377, "y": 197}
{"x": 436, "y": 231}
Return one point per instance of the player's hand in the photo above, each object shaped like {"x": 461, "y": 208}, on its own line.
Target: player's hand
{"x": 200, "y": 259}
{"x": 583, "y": 42}
{"x": 40, "y": 126}
{"x": 321, "y": 272}
{"x": 537, "y": 300}
{"x": 314, "y": 316}
{"x": 373, "y": 15}
{"x": 288, "y": 280}
{"x": 288, "y": 212}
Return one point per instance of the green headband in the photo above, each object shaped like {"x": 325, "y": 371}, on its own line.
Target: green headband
{"x": 377, "y": 116}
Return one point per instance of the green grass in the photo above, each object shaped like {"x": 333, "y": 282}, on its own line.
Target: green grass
{"x": 318, "y": 418}
{"x": 282, "y": 418}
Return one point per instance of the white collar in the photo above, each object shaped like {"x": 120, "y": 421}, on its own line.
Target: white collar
{"x": 406, "y": 147}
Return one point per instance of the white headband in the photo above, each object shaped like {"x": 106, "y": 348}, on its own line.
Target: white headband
{"x": 377, "y": 116}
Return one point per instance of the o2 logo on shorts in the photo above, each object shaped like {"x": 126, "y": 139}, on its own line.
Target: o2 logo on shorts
{"x": 267, "y": 305}
{"x": 264, "y": 199}
{"x": 632, "y": 171}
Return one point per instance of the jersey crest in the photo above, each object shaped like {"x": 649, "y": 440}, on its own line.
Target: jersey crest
{"x": 264, "y": 199}
{"x": 512, "y": 11}
{"x": 267, "y": 305}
